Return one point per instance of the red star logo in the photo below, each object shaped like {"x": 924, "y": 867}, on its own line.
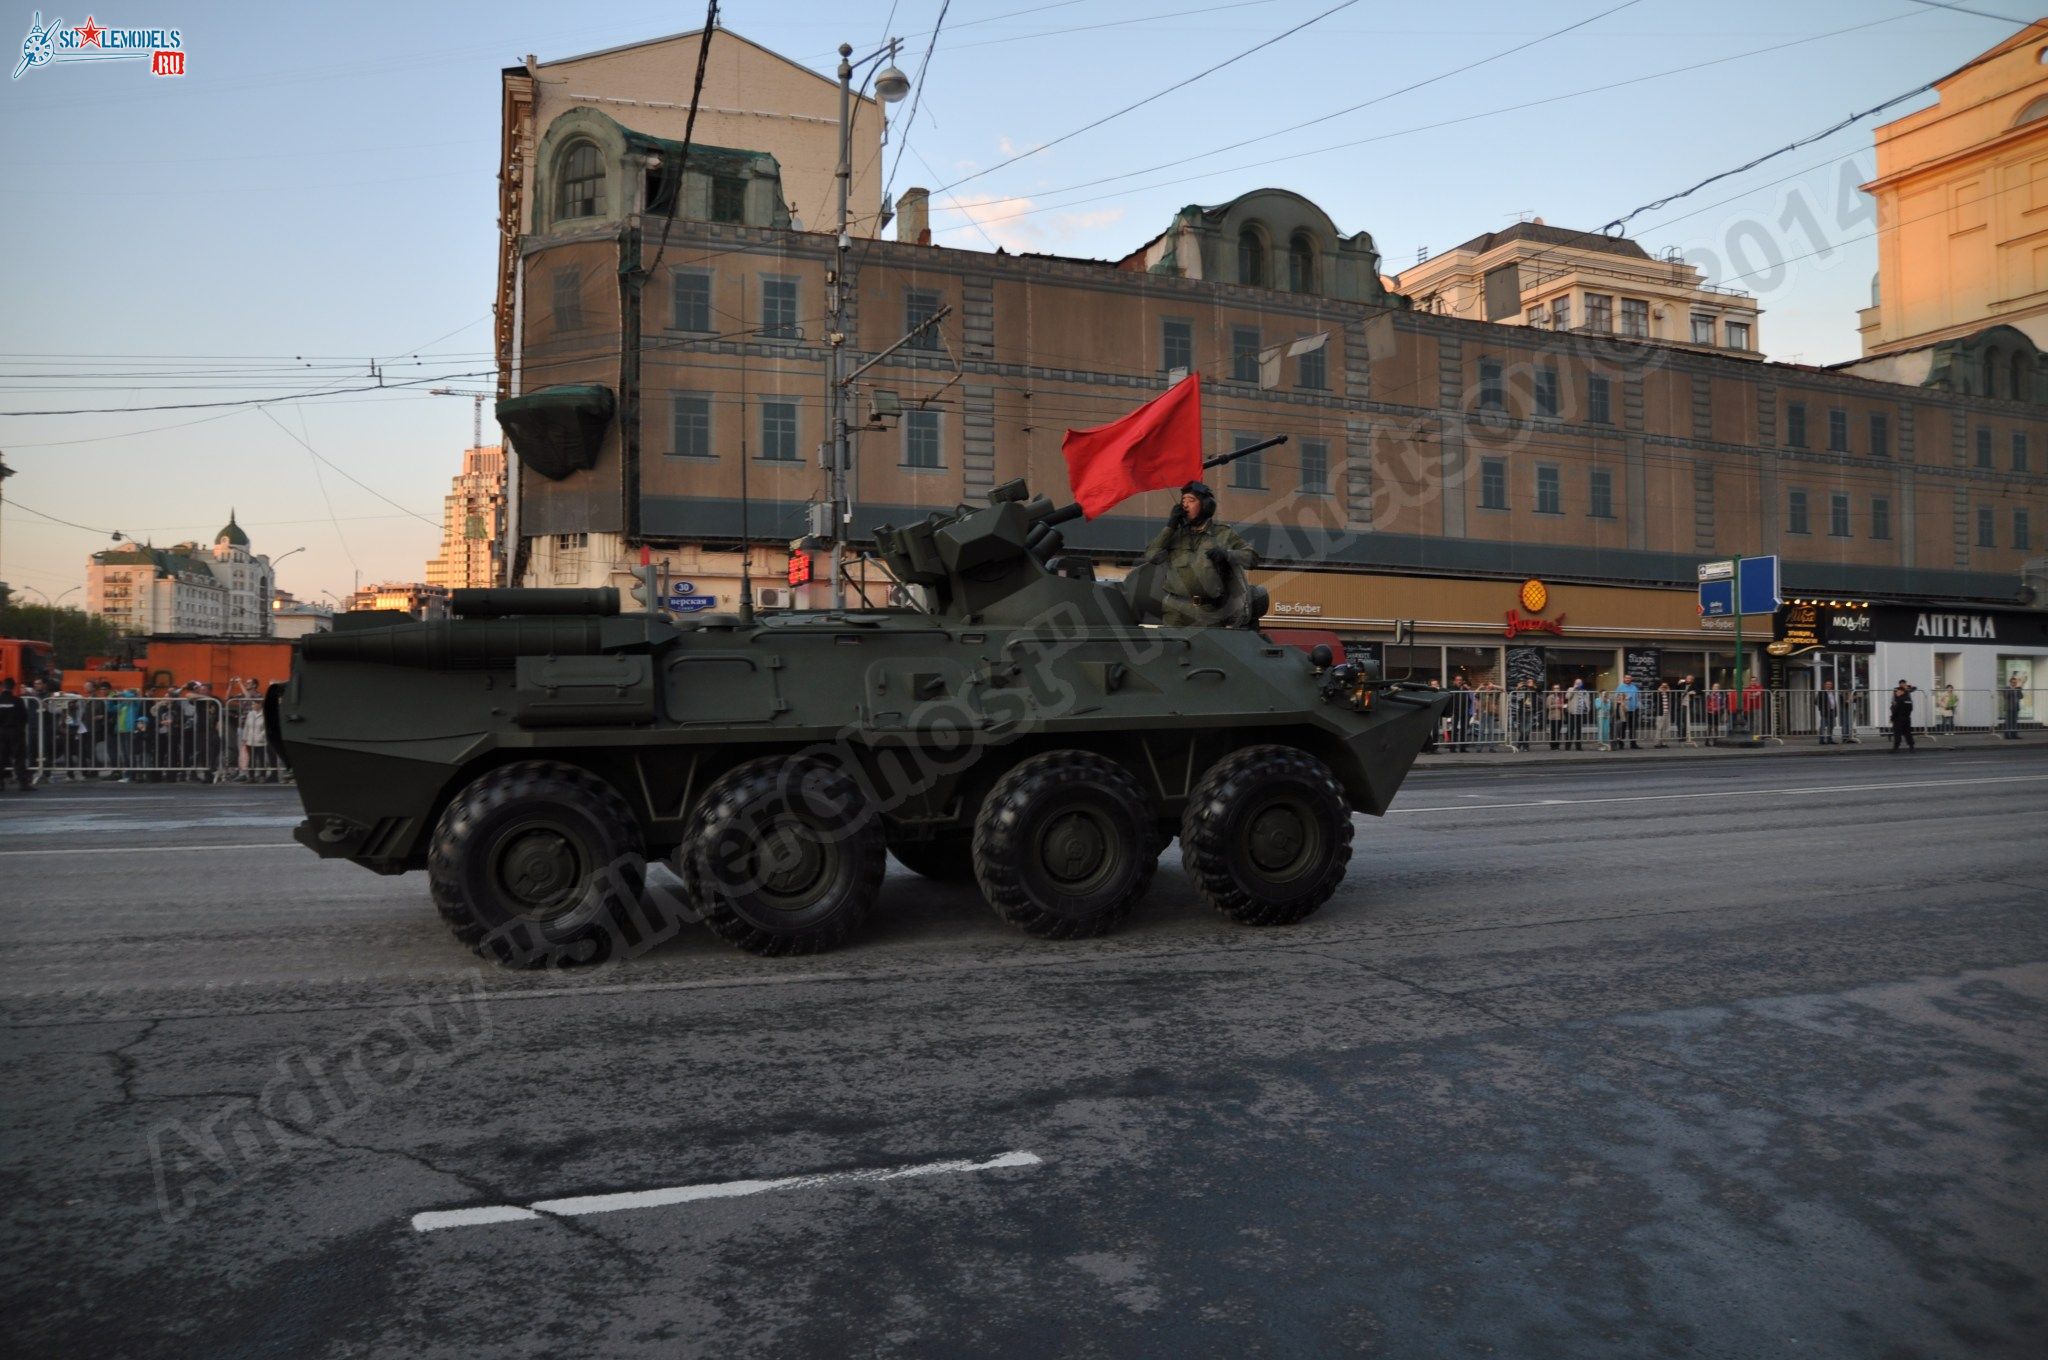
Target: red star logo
{"x": 89, "y": 36}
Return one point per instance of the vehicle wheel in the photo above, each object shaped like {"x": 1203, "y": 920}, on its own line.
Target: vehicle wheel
{"x": 1062, "y": 848}
{"x": 537, "y": 863}
{"x": 1266, "y": 835}
{"x": 946, "y": 858}
{"x": 788, "y": 857}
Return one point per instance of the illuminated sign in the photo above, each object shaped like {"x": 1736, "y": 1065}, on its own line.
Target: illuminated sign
{"x": 1534, "y": 597}
{"x": 799, "y": 568}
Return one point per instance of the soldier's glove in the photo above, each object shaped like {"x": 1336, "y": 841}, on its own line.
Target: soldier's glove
{"x": 1219, "y": 559}
{"x": 1177, "y": 516}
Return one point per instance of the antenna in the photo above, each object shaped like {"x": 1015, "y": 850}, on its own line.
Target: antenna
{"x": 746, "y": 540}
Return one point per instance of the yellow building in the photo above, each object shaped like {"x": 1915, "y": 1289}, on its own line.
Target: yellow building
{"x": 1962, "y": 213}
{"x": 1551, "y": 278}
{"x": 472, "y": 515}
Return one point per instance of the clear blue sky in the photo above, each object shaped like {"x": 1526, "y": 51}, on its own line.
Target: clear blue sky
{"x": 320, "y": 189}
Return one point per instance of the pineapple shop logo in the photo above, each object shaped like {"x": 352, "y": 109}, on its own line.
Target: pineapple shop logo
{"x": 58, "y": 43}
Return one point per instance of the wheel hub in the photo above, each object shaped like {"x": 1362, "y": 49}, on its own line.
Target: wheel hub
{"x": 790, "y": 860}
{"x": 539, "y": 867}
{"x": 1074, "y": 847}
{"x": 1277, "y": 836}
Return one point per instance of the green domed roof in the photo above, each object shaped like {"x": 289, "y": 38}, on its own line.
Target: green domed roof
{"x": 232, "y": 534}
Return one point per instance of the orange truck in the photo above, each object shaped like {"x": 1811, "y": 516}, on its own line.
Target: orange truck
{"x": 164, "y": 663}
{"x": 24, "y": 661}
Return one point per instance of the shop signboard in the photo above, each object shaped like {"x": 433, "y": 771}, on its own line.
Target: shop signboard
{"x": 1641, "y": 664}
{"x": 1803, "y": 626}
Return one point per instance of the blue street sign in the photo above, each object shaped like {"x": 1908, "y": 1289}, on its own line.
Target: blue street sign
{"x": 1759, "y": 590}
{"x": 684, "y": 599}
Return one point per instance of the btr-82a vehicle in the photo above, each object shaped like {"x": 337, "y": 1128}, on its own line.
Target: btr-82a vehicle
{"x": 1027, "y": 728}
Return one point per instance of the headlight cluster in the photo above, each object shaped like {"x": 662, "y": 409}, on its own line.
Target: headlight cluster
{"x": 1346, "y": 684}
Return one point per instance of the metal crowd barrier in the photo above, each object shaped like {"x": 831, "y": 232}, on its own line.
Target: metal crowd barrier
{"x": 150, "y": 739}
{"x": 1507, "y": 721}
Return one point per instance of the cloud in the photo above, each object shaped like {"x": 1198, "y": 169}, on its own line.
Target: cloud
{"x": 1015, "y": 224}
{"x": 1006, "y": 146}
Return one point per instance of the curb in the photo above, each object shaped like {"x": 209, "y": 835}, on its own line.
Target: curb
{"x": 1801, "y": 748}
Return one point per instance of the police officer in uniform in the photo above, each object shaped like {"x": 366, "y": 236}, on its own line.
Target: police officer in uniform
{"x": 1200, "y": 557}
{"x": 13, "y": 736}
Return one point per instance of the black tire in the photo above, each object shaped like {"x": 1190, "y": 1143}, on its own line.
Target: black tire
{"x": 1266, "y": 835}
{"x": 824, "y": 857}
{"x": 1062, "y": 848}
{"x": 945, "y": 858}
{"x": 537, "y": 864}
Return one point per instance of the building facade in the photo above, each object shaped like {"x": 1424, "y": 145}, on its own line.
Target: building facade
{"x": 222, "y": 591}
{"x": 1533, "y": 274}
{"x": 291, "y": 617}
{"x": 1962, "y": 214}
{"x": 472, "y": 522}
{"x": 421, "y": 601}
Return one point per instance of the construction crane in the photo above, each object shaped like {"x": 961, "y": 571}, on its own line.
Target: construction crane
{"x": 476, "y": 425}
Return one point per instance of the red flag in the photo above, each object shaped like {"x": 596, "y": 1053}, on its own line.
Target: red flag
{"x": 1158, "y": 445}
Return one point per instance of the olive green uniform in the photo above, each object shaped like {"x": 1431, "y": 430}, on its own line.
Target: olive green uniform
{"x": 1195, "y": 588}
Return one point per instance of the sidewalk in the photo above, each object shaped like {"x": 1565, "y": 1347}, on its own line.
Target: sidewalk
{"x": 1865, "y": 744}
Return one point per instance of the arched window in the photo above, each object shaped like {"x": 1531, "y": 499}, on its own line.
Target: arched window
{"x": 1251, "y": 257}
{"x": 582, "y": 180}
{"x": 1301, "y": 264}
{"x": 1989, "y": 376}
{"x": 2022, "y": 372}
{"x": 2036, "y": 109}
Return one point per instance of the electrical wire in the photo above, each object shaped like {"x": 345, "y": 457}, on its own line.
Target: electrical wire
{"x": 675, "y": 193}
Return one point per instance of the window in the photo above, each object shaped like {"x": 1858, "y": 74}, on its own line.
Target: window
{"x": 1549, "y": 497}
{"x": 1838, "y": 516}
{"x": 2019, "y": 451}
{"x": 571, "y": 542}
{"x": 921, "y": 439}
{"x": 1599, "y": 312}
{"x": 919, "y": 307}
{"x": 1880, "y": 517}
{"x": 1702, "y": 329}
{"x": 582, "y": 181}
{"x": 1546, "y": 391}
{"x": 1251, "y": 257}
{"x": 2022, "y": 388}
{"x": 1490, "y": 395}
{"x": 568, "y": 299}
{"x": 728, "y": 199}
{"x": 1176, "y": 345}
{"x": 1795, "y": 519}
{"x": 1983, "y": 446}
{"x": 1738, "y": 335}
{"x": 1602, "y": 506}
{"x": 1538, "y": 318}
{"x": 1244, "y": 353}
{"x": 1985, "y": 536}
{"x": 1561, "y": 313}
{"x": 1795, "y": 424}
{"x": 1249, "y": 472}
{"x": 690, "y": 427}
{"x": 778, "y": 309}
{"x": 1599, "y": 406}
{"x": 689, "y": 300}
{"x": 1315, "y": 368}
{"x": 2022, "y": 531}
{"x": 1301, "y": 264}
{"x": 1880, "y": 437}
{"x": 1315, "y": 467}
{"x": 1635, "y": 317}
{"x": 1493, "y": 484}
{"x": 1838, "y": 430}
{"x": 778, "y": 431}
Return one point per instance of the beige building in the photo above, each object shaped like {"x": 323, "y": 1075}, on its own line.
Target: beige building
{"x": 754, "y": 100}
{"x": 472, "y": 518}
{"x": 291, "y": 617}
{"x": 1533, "y": 274}
{"x": 222, "y": 591}
{"x": 417, "y": 598}
{"x": 1962, "y": 208}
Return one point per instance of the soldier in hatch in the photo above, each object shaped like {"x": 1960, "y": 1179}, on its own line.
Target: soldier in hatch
{"x": 1201, "y": 558}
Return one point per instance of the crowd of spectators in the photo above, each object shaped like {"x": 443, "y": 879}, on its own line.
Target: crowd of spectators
{"x": 174, "y": 734}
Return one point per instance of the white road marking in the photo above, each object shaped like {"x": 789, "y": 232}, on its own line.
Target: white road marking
{"x": 153, "y": 849}
{"x": 1746, "y": 792}
{"x": 106, "y": 821}
{"x": 684, "y": 1194}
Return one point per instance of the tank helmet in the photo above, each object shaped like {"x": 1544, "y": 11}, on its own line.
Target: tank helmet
{"x": 1201, "y": 491}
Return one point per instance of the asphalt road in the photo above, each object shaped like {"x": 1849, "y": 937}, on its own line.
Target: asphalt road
{"x": 1745, "y": 1058}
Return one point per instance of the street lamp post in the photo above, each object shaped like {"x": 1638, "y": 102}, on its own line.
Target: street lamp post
{"x": 51, "y": 605}
{"x": 890, "y": 86}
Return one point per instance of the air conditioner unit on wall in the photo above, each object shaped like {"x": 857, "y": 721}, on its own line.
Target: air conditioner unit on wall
{"x": 772, "y": 597}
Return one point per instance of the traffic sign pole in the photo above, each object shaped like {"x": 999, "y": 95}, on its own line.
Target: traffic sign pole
{"x": 1740, "y": 719}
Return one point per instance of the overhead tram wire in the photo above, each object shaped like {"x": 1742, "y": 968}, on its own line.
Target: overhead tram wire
{"x": 1151, "y": 98}
{"x": 917, "y": 95}
{"x": 675, "y": 193}
{"x": 1430, "y": 127}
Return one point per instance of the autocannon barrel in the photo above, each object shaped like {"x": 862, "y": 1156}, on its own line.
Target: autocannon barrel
{"x": 459, "y": 644}
{"x": 509, "y": 603}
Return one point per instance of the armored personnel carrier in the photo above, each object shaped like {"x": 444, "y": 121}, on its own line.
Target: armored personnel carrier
{"x": 1027, "y": 728}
